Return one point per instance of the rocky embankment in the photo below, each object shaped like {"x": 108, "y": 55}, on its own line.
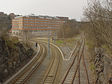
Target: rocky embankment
{"x": 103, "y": 67}
{"x": 13, "y": 55}
{"x": 99, "y": 66}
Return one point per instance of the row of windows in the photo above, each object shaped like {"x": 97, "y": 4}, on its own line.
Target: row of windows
{"x": 41, "y": 27}
{"x": 15, "y": 27}
{"x": 34, "y": 22}
{"x": 28, "y": 22}
{"x": 38, "y": 26}
{"x": 42, "y": 24}
{"x": 39, "y": 30}
{"x": 43, "y": 20}
{"x": 37, "y": 19}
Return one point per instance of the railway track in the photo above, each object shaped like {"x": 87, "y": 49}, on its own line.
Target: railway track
{"x": 52, "y": 71}
{"x": 25, "y": 73}
{"x": 73, "y": 74}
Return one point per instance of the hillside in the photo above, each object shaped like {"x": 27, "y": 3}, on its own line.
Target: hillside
{"x": 13, "y": 55}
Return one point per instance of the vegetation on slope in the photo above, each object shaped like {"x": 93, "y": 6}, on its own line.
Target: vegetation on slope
{"x": 99, "y": 35}
{"x": 13, "y": 55}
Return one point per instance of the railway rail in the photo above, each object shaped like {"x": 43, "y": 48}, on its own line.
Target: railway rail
{"x": 74, "y": 70}
{"x": 52, "y": 71}
{"x": 25, "y": 73}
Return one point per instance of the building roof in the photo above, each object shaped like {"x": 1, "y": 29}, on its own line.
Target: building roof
{"x": 47, "y": 17}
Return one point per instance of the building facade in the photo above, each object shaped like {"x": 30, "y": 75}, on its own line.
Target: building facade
{"x": 37, "y": 25}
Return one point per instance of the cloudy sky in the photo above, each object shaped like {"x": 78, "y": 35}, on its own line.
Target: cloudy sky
{"x": 68, "y": 8}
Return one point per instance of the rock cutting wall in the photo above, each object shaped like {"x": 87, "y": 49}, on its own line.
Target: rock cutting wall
{"x": 12, "y": 57}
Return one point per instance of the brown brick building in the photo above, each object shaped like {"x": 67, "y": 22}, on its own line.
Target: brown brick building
{"x": 38, "y": 25}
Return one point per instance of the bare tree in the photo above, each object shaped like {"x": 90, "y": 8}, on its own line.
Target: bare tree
{"x": 99, "y": 15}
{"x": 27, "y": 36}
{"x": 68, "y": 29}
{"x": 99, "y": 31}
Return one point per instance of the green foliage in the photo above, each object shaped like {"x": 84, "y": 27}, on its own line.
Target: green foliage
{"x": 92, "y": 67}
{"x": 90, "y": 44}
{"x": 10, "y": 44}
{"x": 107, "y": 50}
{"x": 10, "y": 41}
{"x": 14, "y": 39}
{"x": 70, "y": 40}
{"x": 59, "y": 42}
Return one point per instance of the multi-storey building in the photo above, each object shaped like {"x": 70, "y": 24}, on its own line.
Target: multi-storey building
{"x": 37, "y": 25}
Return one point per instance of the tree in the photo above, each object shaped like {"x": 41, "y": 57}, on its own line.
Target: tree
{"x": 27, "y": 34}
{"x": 68, "y": 29}
{"x": 99, "y": 15}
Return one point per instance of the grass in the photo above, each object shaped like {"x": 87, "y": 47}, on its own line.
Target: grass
{"x": 11, "y": 41}
{"x": 14, "y": 39}
{"x": 92, "y": 66}
{"x": 10, "y": 44}
{"x": 66, "y": 42}
{"x": 90, "y": 44}
{"x": 59, "y": 42}
{"x": 107, "y": 50}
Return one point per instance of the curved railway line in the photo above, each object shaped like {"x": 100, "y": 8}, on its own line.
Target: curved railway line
{"x": 23, "y": 75}
{"x": 51, "y": 75}
{"x": 74, "y": 69}
{"x": 52, "y": 71}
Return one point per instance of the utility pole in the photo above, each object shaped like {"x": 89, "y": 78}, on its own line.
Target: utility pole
{"x": 54, "y": 39}
{"x": 49, "y": 44}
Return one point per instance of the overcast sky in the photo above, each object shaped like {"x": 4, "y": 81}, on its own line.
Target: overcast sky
{"x": 68, "y": 8}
